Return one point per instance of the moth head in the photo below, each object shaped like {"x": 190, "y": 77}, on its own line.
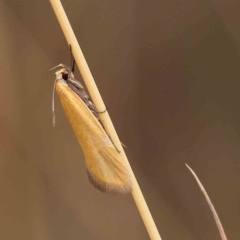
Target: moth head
{"x": 63, "y": 73}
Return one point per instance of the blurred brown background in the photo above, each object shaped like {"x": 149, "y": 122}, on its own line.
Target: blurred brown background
{"x": 169, "y": 74}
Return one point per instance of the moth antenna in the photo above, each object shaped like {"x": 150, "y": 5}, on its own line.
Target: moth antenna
{"x": 73, "y": 65}
{"x": 53, "y": 104}
{"x": 72, "y": 60}
{"x": 54, "y": 88}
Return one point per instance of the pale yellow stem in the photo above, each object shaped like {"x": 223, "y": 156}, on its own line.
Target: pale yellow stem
{"x": 96, "y": 97}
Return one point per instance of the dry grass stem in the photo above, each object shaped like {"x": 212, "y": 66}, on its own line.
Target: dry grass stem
{"x": 215, "y": 215}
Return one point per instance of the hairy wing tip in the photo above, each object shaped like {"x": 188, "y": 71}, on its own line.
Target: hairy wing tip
{"x": 109, "y": 188}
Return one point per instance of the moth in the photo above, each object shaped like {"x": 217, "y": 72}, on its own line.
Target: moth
{"x": 105, "y": 168}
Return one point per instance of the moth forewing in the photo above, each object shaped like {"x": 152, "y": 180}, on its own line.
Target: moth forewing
{"x": 106, "y": 169}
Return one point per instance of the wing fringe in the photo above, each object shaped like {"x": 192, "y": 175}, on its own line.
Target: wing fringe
{"x": 109, "y": 188}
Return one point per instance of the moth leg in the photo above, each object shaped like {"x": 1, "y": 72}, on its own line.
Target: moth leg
{"x": 72, "y": 59}
{"x": 123, "y": 145}
{"x": 106, "y": 132}
{"x": 103, "y": 111}
{"x": 72, "y": 63}
{"x": 113, "y": 143}
{"x": 75, "y": 89}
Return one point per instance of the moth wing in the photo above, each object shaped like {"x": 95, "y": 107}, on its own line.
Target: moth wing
{"x": 106, "y": 170}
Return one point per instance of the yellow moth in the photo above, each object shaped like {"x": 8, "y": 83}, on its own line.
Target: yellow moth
{"x": 106, "y": 170}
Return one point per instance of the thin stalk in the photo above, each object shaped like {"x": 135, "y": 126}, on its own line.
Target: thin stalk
{"x": 214, "y": 213}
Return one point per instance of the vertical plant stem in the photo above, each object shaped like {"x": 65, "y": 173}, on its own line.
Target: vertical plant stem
{"x": 214, "y": 213}
{"x": 96, "y": 97}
